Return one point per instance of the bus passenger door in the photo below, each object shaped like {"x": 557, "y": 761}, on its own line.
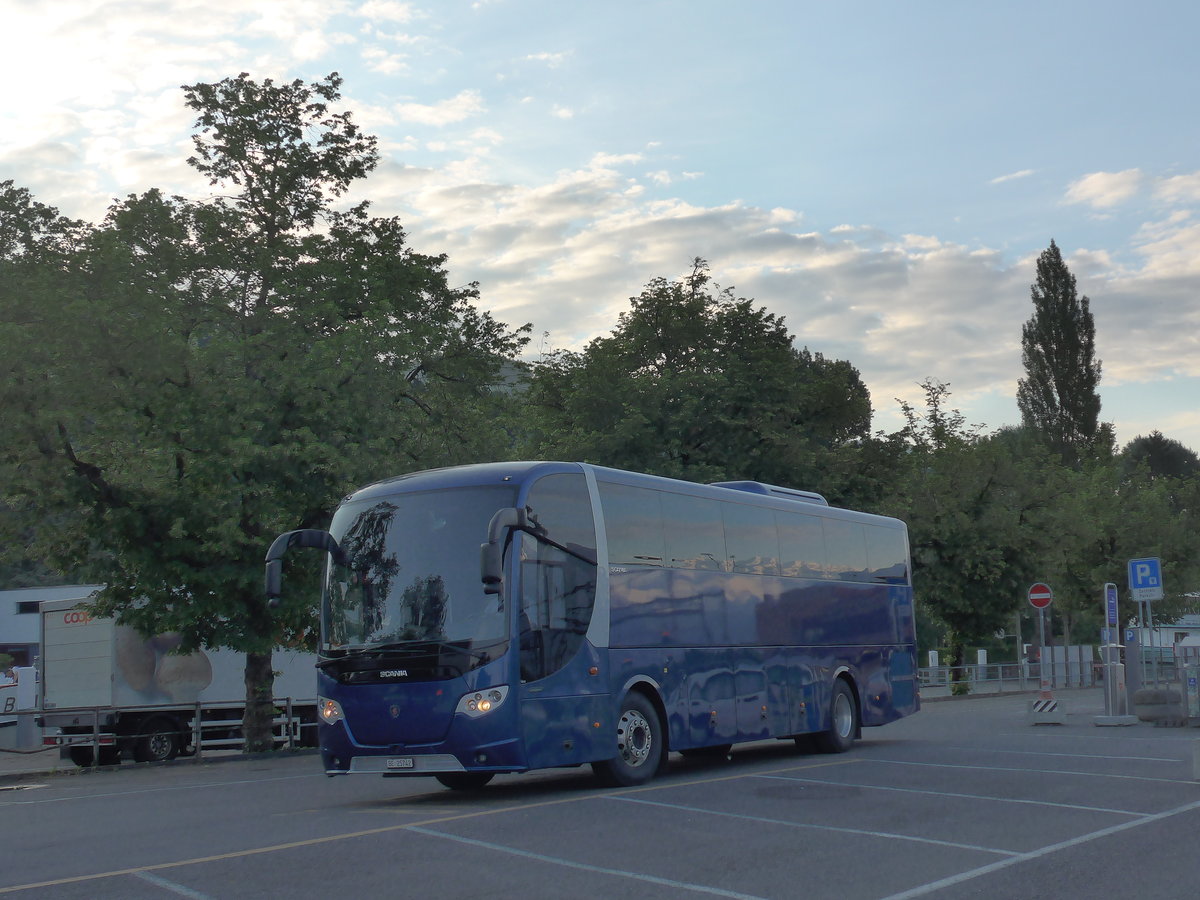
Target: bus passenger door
{"x": 563, "y": 677}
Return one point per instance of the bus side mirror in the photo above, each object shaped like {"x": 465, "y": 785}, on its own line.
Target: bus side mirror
{"x": 274, "y": 582}
{"x": 304, "y": 537}
{"x": 491, "y": 554}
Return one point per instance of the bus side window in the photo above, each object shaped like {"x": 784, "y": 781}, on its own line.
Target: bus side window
{"x": 846, "y": 549}
{"x": 801, "y": 545}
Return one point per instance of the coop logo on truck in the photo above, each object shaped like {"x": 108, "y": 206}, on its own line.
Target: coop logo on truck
{"x": 393, "y": 673}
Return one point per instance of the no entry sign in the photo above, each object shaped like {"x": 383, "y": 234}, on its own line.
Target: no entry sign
{"x": 1040, "y": 595}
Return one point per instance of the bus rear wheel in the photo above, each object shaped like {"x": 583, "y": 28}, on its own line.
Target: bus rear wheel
{"x": 843, "y": 721}
{"x": 639, "y": 744}
{"x": 465, "y": 781}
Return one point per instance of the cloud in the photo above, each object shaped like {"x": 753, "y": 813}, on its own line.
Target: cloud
{"x": 463, "y": 105}
{"x": 552, "y": 60}
{"x": 387, "y": 11}
{"x": 1179, "y": 189}
{"x": 1012, "y": 176}
{"x": 1103, "y": 190}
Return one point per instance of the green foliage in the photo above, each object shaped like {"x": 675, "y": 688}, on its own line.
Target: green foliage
{"x": 1160, "y": 456}
{"x": 1058, "y": 396}
{"x": 189, "y": 379}
{"x": 964, "y": 499}
{"x": 696, "y": 383}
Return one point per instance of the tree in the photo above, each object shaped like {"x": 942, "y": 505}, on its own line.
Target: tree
{"x": 1058, "y": 395}
{"x": 696, "y": 383}
{"x": 1161, "y": 456}
{"x": 211, "y": 374}
{"x": 977, "y": 515}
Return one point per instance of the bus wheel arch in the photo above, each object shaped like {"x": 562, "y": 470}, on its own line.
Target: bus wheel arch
{"x": 845, "y": 717}
{"x": 640, "y": 740}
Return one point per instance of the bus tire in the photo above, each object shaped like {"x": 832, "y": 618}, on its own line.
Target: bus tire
{"x": 843, "y": 721}
{"x": 640, "y": 744}
{"x": 465, "y": 781}
{"x": 159, "y": 741}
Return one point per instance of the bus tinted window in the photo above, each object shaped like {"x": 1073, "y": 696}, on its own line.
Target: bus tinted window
{"x": 751, "y": 539}
{"x": 560, "y": 504}
{"x": 695, "y": 537}
{"x": 887, "y": 555}
{"x": 633, "y": 521}
{"x": 801, "y": 545}
{"x": 845, "y": 550}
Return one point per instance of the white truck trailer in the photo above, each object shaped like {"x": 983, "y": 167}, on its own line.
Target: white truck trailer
{"x": 107, "y": 687}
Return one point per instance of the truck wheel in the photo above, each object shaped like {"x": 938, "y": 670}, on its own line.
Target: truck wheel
{"x": 843, "y": 721}
{"x": 639, "y": 744}
{"x": 465, "y": 781}
{"x": 158, "y": 743}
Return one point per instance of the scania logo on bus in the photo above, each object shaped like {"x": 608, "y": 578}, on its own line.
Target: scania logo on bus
{"x": 76, "y": 617}
{"x": 394, "y": 673}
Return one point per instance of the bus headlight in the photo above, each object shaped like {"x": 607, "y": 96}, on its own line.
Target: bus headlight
{"x": 480, "y": 703}
{"x": 330, "y": 711}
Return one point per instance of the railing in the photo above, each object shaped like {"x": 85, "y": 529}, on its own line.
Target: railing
{"x": 1000, "y": 678}
{"x": 224, "y": 731}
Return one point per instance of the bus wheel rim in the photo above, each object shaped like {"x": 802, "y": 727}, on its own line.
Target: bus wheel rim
{"x": 634, "y": 738}
{"x": 843, "y": 715}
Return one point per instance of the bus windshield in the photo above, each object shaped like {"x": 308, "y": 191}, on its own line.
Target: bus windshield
{"x": 402, "y": 580}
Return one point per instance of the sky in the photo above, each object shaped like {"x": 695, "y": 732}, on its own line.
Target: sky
{"x": 883, "y": 175}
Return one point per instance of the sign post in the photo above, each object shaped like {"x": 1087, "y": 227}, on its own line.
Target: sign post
{"x": 1146, "y": 586}
{"x": 1114, "y": 670}
{"x": 1044, "y": 710}
{"x": 1040, "y": 596}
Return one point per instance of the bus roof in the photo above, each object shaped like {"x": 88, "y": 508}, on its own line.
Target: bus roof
{"x": 520, "y": 472}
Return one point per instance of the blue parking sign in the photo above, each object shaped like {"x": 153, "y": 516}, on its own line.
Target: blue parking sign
{"x": 1145, "y": 579}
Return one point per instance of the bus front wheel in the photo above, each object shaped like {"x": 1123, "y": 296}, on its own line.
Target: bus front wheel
{"x": 639, "y": 744}
{"x": 464, "y": 781}
{"x": 843, "y": 721}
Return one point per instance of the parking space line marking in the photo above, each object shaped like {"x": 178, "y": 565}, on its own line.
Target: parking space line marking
{"x": 861, "y": 831}
{"x": 156, "y": 790}
{"x": 1036, "y": 854}
{"x": 385, "y": 829}
{"x": 171, "y": 886}
{"x": 587, "y": 867}
{"x": 1172, "y": 759}
{"x": 1026, "y": 771}
{"x": 876, "y": 787}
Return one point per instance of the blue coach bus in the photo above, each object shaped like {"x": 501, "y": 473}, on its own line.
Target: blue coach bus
{"x": 514, "y": 616}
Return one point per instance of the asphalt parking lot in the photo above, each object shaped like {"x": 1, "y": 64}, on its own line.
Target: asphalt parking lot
{"x": 965, "y": 799}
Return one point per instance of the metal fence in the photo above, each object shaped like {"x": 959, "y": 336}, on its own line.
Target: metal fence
{"x": 1000, "y": 678}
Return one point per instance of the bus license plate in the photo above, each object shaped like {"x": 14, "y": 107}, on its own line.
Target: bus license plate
{"x": 400, "y": 762}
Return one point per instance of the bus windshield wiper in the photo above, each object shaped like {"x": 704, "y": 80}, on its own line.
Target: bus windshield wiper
{"x": 418, "y": 646}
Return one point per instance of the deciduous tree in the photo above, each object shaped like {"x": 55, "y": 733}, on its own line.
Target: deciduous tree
{"x": 696, "y": 383}
{"x": 211, "y": 374}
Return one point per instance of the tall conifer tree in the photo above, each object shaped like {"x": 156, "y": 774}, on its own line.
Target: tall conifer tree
{"x": 1058, "y": 396}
